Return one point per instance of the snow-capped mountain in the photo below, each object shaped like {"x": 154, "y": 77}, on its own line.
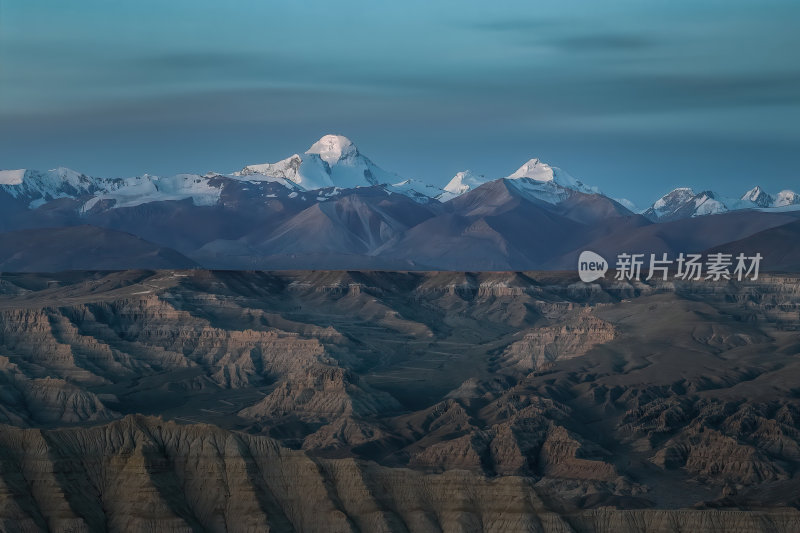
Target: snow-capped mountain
{"x": 540, "y": 172}
{"x": 462, "y": 182}
{"x": 534, "y": 179}
{"x": 332, "y": 207}
{"x": 786, "y": 198}
{"x": 334, "y": 164}
{"x": 143, "y": 189}
{"x": 758, "y": 197}
{"x": 38, "y": 188}
{"x": 333, "y": 161}
{"x": 683, "y": 202}
{"x": 286, "y": 172}
{"x": 672, "y": 201}
{"x": 331, "y": 164}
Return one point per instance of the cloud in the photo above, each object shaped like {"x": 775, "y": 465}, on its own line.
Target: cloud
{"x": 620, "y": 42}
{"x": 575, "y": 36}
{"x": 514, "y": 25}
{"x": 193, "y": 60}
{"x": 717, "y": 90}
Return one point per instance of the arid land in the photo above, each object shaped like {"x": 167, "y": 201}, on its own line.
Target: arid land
{"x": 397, "y": 401}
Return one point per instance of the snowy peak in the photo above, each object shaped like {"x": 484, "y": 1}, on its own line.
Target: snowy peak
{"x": 534, "y": 169}
{"x": 462, "y": 182}
{"x": 286, "y": 172}
{"x": 285, "y": 168}
{"x": 706, "y": 203}
{"x": 787, "y": 198}
{"x": 38, "y": 187}
{"x": 535, "y": 179}
{"x": 146, "y": 188}
{"x": 672, "y": 200}
{"x": 334, "y": 148}
{"x": 332, "y": 161}
{"x": 12, "y": 177}
{"x": 758, "y": 197}
{"x": 538, "y": 171}
{"x": 683, "y": 202}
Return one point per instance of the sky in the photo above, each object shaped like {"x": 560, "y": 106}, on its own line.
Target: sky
{"x": 635, "y": 97}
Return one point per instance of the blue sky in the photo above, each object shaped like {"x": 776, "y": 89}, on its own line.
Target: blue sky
{"x": 636, "y": 97}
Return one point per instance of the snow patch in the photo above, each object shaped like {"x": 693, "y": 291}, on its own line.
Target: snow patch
{"x": 333, "y": 148}
{"x": 535, "y": 170}
{"x": 541, "y": 172}
{"x": 675, "y": 197}
{"x": 461, "y": 183}
{"x": 786, "y": 198}
{"x": 706, "y": 204}
{"x": 417, "y": 190}
{"x": 90, "y": 204}
{"x": 781, "y": 209}
{"x": 145, "y": 189}
{"x": 12, "y": 177}
{"x": 546, "y": 191}
{"x": 758, "y": 197}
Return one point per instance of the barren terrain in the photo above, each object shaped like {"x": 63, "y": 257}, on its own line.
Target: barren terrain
{"x": 397, "y": 401}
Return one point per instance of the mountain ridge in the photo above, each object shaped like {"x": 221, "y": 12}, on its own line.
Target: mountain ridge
{"x": 335, "y": 162}
{"x": 361, "y": 216}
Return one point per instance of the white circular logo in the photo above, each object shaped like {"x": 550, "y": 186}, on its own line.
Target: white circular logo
{"x": 591, "y": 266}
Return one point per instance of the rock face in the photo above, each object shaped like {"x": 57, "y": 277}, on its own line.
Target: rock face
{"x": 145, "y": 474}
{"x": 397, "y": 401}
{"x": 541, "y": 346}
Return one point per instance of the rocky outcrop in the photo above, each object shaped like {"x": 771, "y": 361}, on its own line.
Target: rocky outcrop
{"x": 46, "y": 400}
{"x": 321, "y": 392}
{"x": 573, "y": 335}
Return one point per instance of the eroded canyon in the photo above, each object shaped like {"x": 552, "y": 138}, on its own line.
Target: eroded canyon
{"x": 397, "y": 401}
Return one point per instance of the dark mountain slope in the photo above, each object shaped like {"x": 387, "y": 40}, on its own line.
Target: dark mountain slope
{"x": 690, "y": 235}
{"x": 778, "y": 247}
{"x": 83, "y": 248}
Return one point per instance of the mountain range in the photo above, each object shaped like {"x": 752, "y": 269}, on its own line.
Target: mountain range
{"x": 333, "y": 207}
